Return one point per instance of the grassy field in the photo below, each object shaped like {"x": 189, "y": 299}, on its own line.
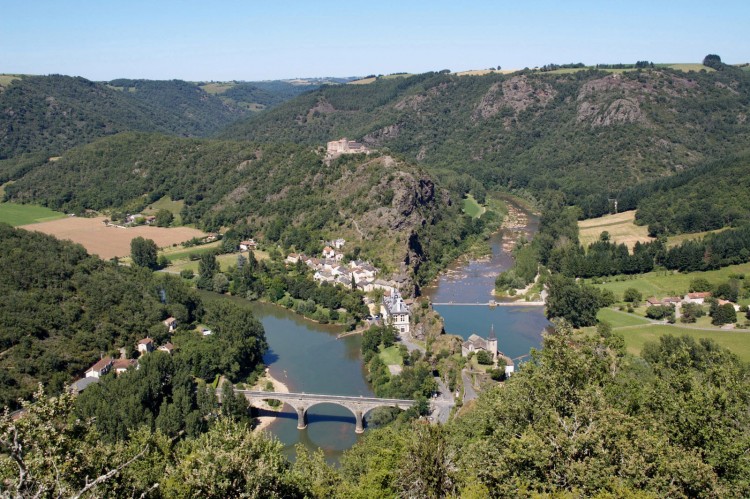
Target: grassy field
{"x": 216, "y": 88}
{"x": 677, "y": 240}
{"x": 687, "y": 67}
{"x": 620, "y": 319}
{"x": 472, "y": 207}
{"x": 181, "y": 253}
{"x": 24, "y": 214}
{"x": 621, "y": 228}
{"x": 6, "y": 80}
{"x": 166, "y": 203}
{"x": 738, "y": 342}
{"x": 668, "y": 283}
{"x": 225, "y": 261}
{"x": 391, "y": 356}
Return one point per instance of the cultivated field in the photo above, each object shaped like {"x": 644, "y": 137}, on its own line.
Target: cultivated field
{"x": 108, "y": 242}
{"x": 22, "y": 214}
{"x": 677, "y": 240}
{"x": 620, "y": 227}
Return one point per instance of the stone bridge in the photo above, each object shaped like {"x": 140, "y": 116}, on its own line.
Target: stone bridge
{"x": 304, "y": 401}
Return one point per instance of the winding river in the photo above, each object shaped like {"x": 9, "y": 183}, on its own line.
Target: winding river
{"x": 307, "y": 357}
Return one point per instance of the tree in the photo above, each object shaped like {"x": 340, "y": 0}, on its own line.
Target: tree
{"x": 713, "y": 61}
{"x": 578, "y": 304}
{"x": 164, "y": 218}
{"x": 484, "y": 358}
{"x": 632, "y": 295}
{"x": 208, "y": 266}
{"x": 724, "y": 314}
{"x": 699, "y": 284}
{"x": 143, "y": 252}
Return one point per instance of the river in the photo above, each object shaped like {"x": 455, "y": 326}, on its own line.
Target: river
{"x": 307, "y": 357}
{"x": 518, "y": 328}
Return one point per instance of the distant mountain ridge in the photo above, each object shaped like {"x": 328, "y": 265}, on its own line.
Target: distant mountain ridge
{"x": 588, "y": 134}
{"x": 54, "y": 113}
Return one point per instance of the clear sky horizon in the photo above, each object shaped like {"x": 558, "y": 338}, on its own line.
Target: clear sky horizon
{"x": 251, "y": 40}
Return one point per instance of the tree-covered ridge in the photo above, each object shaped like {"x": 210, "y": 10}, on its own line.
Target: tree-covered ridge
{"x": 194, "y": 109}
{"x": 708, "y": 197}
{"x": 286, "y": 193}
{"x": 54, "y": 113}
{"x": 61, "y": 309}
{"x": 589, "y": 133}
{"x": 262, "y": 94}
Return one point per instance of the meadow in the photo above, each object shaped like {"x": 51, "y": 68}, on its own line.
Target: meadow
{"x": 738, "y": 342}
{"x": 620, "y": 226}
{"x": 166, "y": 203}
{"x": 24, "y": 214}
{"x": 472, "y": 207}
{"x": 663, "y": 283}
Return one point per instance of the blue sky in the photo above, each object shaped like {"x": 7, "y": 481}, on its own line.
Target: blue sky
{"x": 253, "y": 40}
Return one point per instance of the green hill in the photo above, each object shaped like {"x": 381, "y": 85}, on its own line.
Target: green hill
{"x": 286, "y": 193}
{"x": 588, "y": 133}
{"x": 54, "y": 113}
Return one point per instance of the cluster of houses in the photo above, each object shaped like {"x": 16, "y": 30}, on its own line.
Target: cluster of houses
{"x": 697, "y": 298}
{"x": 329, "y": 268}
{"x": 107, "y": 364}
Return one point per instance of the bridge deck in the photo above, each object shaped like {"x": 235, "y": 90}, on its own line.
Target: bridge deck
{"x": 323, "y": 398}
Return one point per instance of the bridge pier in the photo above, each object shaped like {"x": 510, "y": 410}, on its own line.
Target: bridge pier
{"x": 360, "y": 427}
{"x": 301, "y": 418}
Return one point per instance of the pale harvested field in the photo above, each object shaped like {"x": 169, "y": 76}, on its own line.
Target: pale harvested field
{"x": 620, "y": 227}
{"x": 108, "y": 242}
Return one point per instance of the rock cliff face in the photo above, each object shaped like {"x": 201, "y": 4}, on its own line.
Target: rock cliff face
{"x": 516, "y": 94}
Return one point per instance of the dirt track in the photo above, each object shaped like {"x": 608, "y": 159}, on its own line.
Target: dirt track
{"x": 108, "y": 242}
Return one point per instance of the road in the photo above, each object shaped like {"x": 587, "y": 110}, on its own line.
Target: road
{"x": 469, "y": 392}
{"x": 442, "y": 405}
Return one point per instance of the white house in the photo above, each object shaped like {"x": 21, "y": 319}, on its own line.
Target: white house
{"x": 99, "y": 369}
{"x": 145, "y": 345}
{"x": 339, "y": 243}
{"x": 395, "y": 312}
{"x": 247, "y": 245}
{"x": 167, "y": 347}
{"x": 328, "y": 252}
{"x": 171, "y": 324}
{"x": 122, "y": 365}
{"x": 698, "y": 298}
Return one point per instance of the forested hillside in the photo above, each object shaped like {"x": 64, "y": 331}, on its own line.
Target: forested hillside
{"x": 286, "y": 193}
{"x": 61, "y": 309}
{"x": 588, "y": 133}
{"x": 708, "y": 197}
{"x": 51, "y": 114}
{"x": 258, "y": 95}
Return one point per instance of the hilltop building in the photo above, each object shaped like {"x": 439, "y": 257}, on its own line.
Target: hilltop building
{"x": 336, "y": 148}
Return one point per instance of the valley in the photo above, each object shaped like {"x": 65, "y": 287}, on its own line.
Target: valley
{"x": 240, "y": 237}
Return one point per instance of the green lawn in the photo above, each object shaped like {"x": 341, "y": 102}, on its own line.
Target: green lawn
{"x": 23, "y": 214}
{"x": 166, "y": 203}
{"x": 391, "y": 356}
{"x": 738, "y": 342}
{"x": 225, "y": 261}
{"x": 472, "y": 207}
{"x": 181, "y": 253}
{"x": 668, "y": 283}
{"x": 620, "y": 319}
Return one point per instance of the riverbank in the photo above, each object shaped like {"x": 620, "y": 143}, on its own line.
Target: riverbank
{"x": 278, "y": 387}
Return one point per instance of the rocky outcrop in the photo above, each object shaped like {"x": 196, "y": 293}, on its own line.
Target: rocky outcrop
{"x": 381, "y": 135}
{"x": 612, "y": 100}
{"x": 517, "y": 93}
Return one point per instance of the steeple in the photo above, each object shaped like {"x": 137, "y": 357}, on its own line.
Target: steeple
{"x": 492, "y": 333}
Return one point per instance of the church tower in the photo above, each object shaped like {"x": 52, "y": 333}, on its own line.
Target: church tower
{"x": 492, "y": 343}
